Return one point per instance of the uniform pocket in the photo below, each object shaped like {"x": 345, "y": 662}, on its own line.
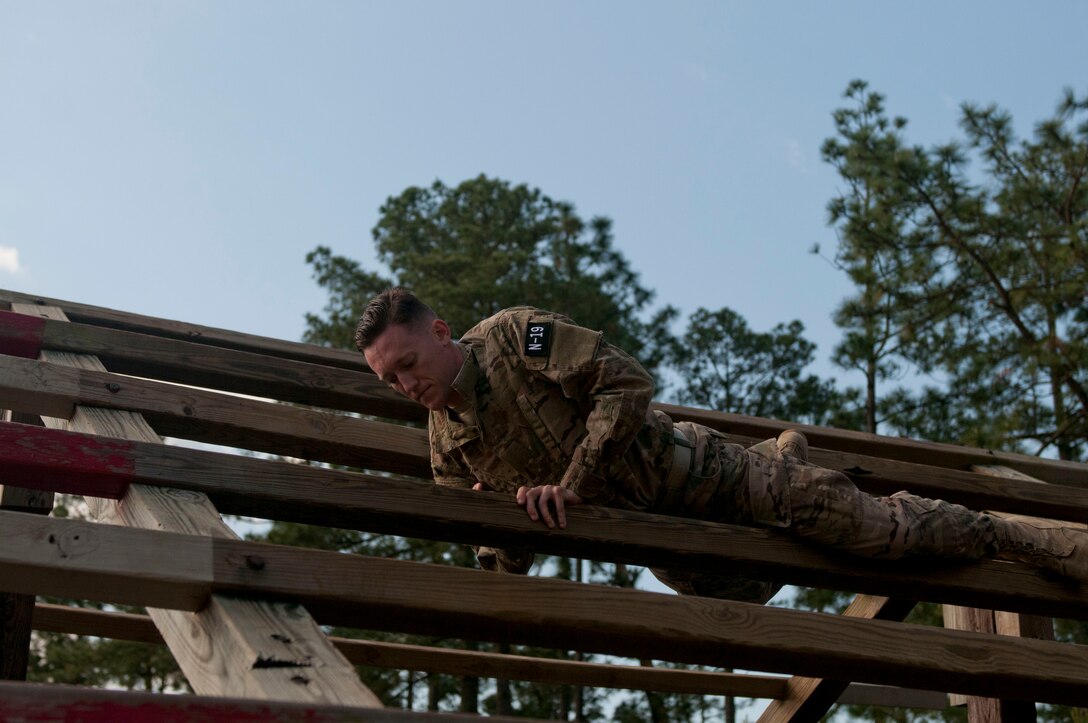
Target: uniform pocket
{"x": 540, "y": 429}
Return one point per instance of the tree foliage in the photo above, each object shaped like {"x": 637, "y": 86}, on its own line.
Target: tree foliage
{"x": 975, "y": 276}
{"x": 724, "y": 365}
{"x": 484, "y": 245}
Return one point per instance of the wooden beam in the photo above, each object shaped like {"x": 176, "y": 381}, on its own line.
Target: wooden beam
{"x": 809, "y": 699}
{"x": 292, "y": 431}
{"x": 70, "y": 558}
{"x": 224, "y": 649}
{"x": 16, "y": 610}
{"x": 201, "y": 365}
{"x": 892, "y": 448}
{"x": 223, "y": 419}
{"x": 139, "y": 628}
{"x": 952, "y": 456}
{"x": 966, "y": 487}
{"x": 184, "y": 331}
{"x": 44, "y": 702}
{"x": 336, "y": 498}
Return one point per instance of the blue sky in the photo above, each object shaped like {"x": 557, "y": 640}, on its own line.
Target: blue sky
{"x": 179, "y": 159}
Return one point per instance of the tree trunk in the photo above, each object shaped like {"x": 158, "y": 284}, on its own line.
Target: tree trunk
{"x": 433, "y": 694}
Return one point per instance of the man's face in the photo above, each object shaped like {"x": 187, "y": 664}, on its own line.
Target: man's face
{"x": 419, "y": 361}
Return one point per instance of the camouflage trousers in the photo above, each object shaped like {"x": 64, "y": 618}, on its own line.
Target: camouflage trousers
{"x": 761, "y": 486}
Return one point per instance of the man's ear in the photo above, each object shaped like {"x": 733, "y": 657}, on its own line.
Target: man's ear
{"x": 441, "y": 331}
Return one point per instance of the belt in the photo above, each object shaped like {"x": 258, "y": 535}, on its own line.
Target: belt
{"x": 672, "y": 496}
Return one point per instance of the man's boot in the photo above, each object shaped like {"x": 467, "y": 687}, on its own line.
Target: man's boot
{"x": 1047, "y": 544}
{"x": 793, "y": 443}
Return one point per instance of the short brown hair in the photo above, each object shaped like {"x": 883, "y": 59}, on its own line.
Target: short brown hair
{"x": 396, "y": 306}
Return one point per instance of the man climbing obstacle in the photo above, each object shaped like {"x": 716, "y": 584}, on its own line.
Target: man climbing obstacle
{"x": 531, "y": 404}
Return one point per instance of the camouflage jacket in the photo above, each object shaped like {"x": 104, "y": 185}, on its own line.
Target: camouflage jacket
{"x": 545, "y": 401}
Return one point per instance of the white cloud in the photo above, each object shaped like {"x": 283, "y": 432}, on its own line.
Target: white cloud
{"x": 9, "y": 260}
{"x": 796, "y": 156}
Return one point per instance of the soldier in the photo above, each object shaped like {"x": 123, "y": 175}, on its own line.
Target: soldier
{"x": 529, "y": 403}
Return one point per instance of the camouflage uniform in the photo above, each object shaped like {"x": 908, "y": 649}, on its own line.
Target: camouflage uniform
{"x": 544, "y": 401}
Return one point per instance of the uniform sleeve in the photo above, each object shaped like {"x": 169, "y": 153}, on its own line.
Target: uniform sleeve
{"x": 621, "y": 391}
{"x": 449, "y": 471}
{"x": 614, "y": 390}
{"x": 515, "y": 561}
{"x": 447, "y": 468}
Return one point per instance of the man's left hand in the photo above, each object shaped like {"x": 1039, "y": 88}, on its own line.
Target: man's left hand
{"x": 539, "y": 500}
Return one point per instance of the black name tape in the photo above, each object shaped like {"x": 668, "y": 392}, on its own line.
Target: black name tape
{"x": 538, "y": 338}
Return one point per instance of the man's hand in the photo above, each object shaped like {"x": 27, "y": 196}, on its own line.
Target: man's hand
{"x": 538, "y": 501}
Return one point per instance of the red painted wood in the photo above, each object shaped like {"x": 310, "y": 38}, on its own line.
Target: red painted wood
{"x": 69, "y": 462}
{"x": 21, "y": 335}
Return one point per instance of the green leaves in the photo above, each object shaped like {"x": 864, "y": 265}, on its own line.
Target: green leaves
{"x": 976, "y": 274}
{"x": 723, "y": 364}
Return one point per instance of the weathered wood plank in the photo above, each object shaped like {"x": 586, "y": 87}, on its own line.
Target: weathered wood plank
{"x": 336, "y": 438}
{"x": 62, "y": 703}
{"x": 139, "y": 628}
{"x": 900, "y": 449}
{"x": 223, "y": 419}
{"x": 221, "y": 649}
{"x": 809, "y": 699}
{"x": 299, "y": 493}
{"x": 213, "y": 367}
{"x": 972, "y": 489}
{"x": 184, "y": 331}
{"x": 552, "y": 671}
{"x": 16, "y": 611}
{"x": 892, "y": 448}
{"x": 354, "y": 591}
{"x": 91, "y": 561}
{"x": 205, "y": 416}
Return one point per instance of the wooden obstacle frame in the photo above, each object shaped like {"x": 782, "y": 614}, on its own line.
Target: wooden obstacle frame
{"x": 92, "y": 393}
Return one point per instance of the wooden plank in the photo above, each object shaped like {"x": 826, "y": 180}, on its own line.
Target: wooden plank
{"x": 225, "y": 649}
{"x": 16, "y": 611}
{"x": 299, "y": 493}
{"x": 23, "y": 499}
{"x": 223, "y": 419}
{"x": 952, "y": 456}
{"x": 359, "y": 591}
{"x": 201, "y": 365}
{"x": 969, "y": 488}
{"x": 809, "y": 699}
{"x": 552, "y": 671}
{"x": 139, "y": 628}
{"x": 892, "y": 448}
{"x": 184, "y": 331}
{"x": 336, "y": 438}
{"x": 63, "y": 703}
